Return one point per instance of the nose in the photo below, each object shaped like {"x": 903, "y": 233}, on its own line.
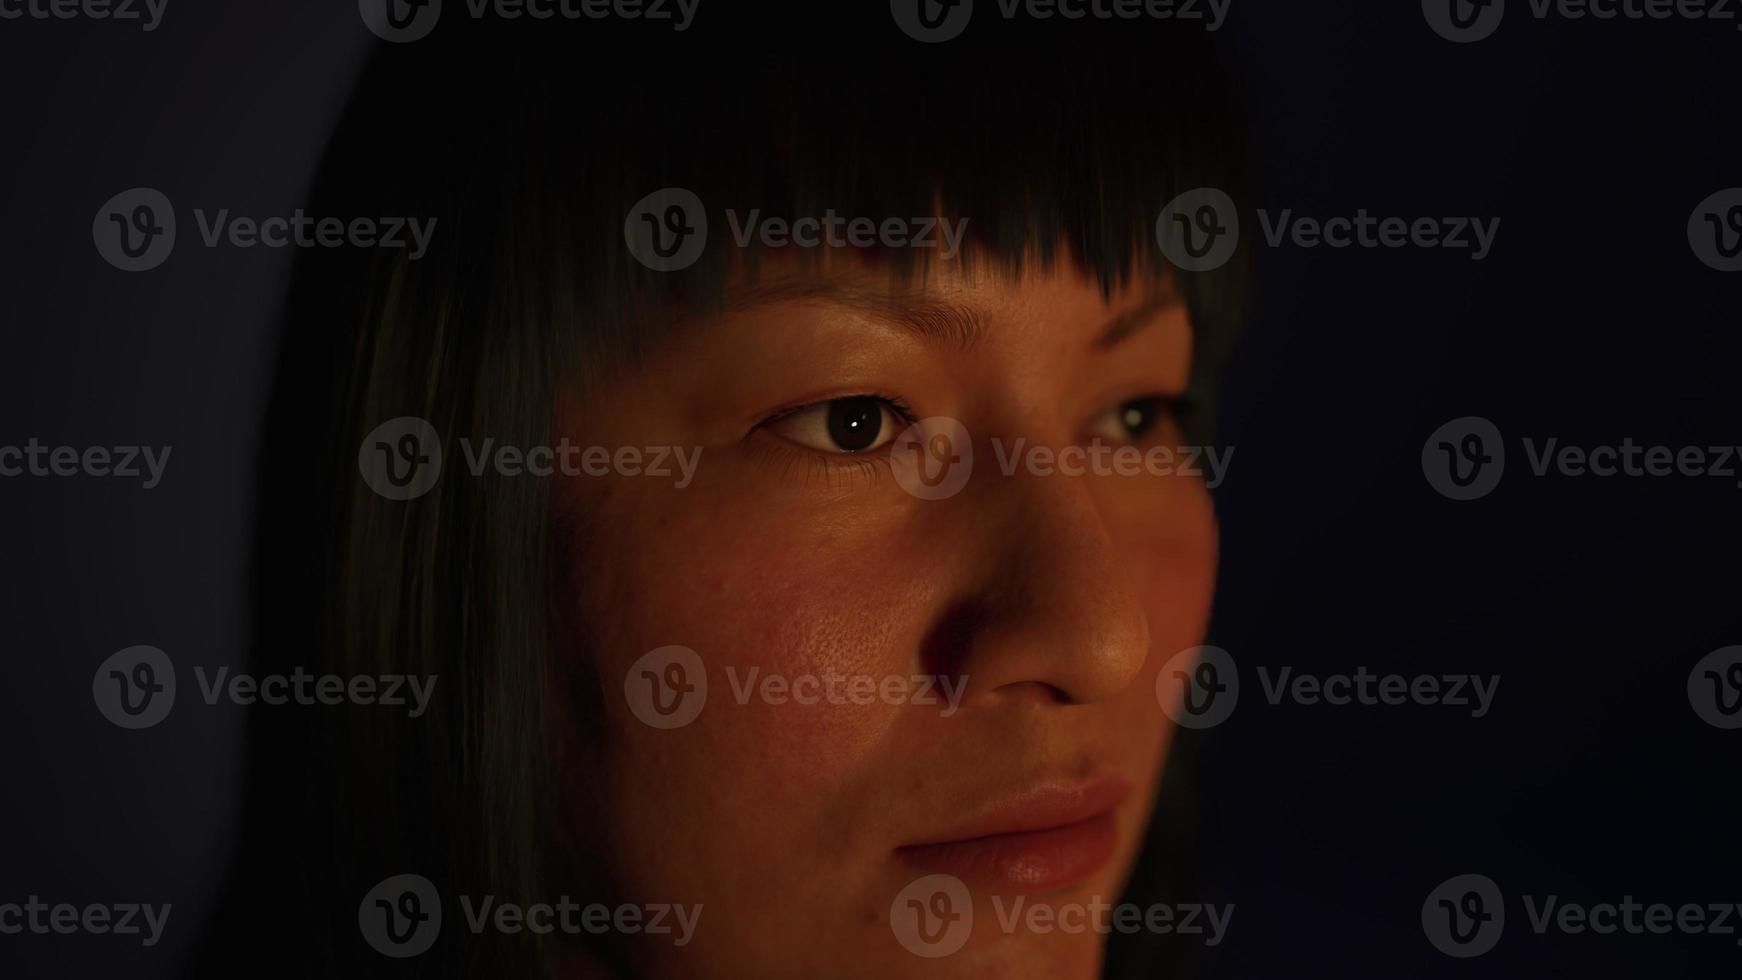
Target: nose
{"x": 1055, "y": 614}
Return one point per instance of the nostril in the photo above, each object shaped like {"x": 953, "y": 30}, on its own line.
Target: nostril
{"x": 950, "y": 640}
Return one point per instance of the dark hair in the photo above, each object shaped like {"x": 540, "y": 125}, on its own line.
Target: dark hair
{"x": 528, "y": 142}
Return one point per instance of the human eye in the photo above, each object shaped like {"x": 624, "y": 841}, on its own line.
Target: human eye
{"x": 850, "y": 425}
{"x": 1136, "y": 419}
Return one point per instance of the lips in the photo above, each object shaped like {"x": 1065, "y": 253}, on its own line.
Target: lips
{"x": 1040, "y": 839}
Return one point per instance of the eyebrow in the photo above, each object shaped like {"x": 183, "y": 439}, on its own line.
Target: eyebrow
{"x": 946, "y": 325}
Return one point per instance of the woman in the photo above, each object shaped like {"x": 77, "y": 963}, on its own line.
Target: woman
{"x": 819, "y": 687}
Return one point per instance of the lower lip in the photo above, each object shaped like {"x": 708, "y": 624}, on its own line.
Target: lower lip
{"x": 1028, "y": 863}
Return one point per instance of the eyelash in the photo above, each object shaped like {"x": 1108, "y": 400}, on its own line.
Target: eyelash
{"x": 871, "y": 467}
{"x": 895, "y": 403}
{"x": 1173, "y": 408}
{"x": 849, "y": 468}
{"x": 829, "y": 469}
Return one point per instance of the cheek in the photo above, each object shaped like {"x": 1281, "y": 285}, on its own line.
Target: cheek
{"x": 1169, "y": 542}
{"x": 1165, "y": 530}
{"x": 784, "y": 607}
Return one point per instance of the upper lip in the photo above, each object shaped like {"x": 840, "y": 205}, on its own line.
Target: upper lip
{"x": 1038, "y": 806}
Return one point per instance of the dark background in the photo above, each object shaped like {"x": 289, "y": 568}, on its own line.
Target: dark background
{"x": 1591, "y": 321}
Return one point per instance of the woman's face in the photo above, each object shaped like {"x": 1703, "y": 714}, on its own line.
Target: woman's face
{"x": 913, "y": 666}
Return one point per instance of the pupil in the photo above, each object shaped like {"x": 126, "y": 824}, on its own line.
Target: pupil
{"x": 854, "y": 423}
{"x": 1139, "y": 417}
